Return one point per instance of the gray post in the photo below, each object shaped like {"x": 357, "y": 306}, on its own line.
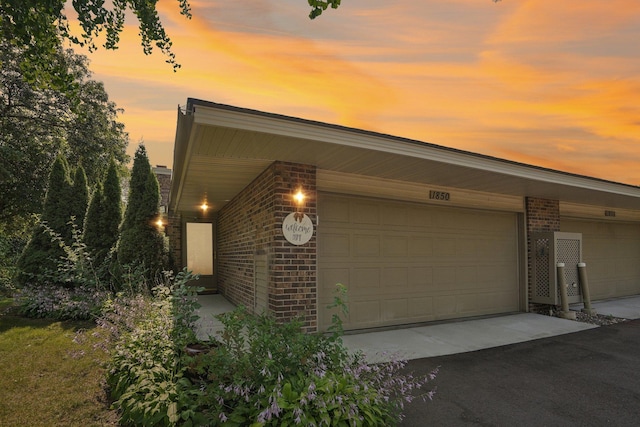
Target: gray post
{"x": 584, "y": 287}
{"x": 562, "y": 285}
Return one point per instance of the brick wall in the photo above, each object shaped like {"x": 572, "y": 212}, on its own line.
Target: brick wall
{"x": 174, "y": 233}
{"x": 252, "y": 223}
{"x": 542, "y": 215}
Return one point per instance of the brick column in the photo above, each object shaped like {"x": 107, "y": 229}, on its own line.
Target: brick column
{"x": 542, "y": 215}
{"x": 252, "y": 224}
{"x": 293, "y": 292}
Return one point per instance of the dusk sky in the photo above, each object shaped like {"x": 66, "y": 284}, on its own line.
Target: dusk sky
{"x": 543, "y": 82}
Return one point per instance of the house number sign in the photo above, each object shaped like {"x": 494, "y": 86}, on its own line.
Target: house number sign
{"x": 297, "y": 228}
{"x": 439, "y": 195}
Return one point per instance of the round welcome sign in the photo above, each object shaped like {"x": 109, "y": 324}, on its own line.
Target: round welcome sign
{"x": 297, "y": 228}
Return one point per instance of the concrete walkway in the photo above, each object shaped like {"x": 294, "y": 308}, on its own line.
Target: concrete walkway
{"x": 444, "y": 338}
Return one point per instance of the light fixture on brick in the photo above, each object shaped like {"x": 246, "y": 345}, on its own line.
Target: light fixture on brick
{"x": 299, "y": 197}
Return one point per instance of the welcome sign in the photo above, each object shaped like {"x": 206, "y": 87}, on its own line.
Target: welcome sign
{"x": 297, "y": 228}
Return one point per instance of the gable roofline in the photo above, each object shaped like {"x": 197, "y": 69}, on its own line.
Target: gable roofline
{"x": 192, "y": 103}
{"x": 220, "y": 148}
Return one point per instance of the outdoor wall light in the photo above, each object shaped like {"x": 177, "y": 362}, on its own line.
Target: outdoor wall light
{"x": 204, "y": 206}
{"x": 299, "y": 197}
{"x": 159, "y": 223}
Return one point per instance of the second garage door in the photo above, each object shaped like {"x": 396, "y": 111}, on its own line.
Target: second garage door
{"x": 612, "y": 253}
{"x": 406, "y": 263}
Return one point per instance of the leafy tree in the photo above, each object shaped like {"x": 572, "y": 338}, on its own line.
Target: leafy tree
{"x": 141, "y": 244}
{"x": 318, "y": 6}
{"x": 39, "y": 27}
{"x": 38, "y": 124}
{"x": 31, "y": 135}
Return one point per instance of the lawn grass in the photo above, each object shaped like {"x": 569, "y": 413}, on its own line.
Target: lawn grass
{"x": 45, "y": 380}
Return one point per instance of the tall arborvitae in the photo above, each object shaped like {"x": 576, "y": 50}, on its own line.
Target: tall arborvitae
{"x": 78, "y": 199}
{"x": 93, "y": 237}
{"x": 111, "y": 207}
{"x": 41, "y": 255}
{"x": 102, "y": 224}
{"x": 141, "y": 243}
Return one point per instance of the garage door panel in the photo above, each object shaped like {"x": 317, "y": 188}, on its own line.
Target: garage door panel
{"x": 612, "y": 253}
{"x": 336, "y": 245}
{"x": 365, "y": 213}
{"x": 470, "y": 303}
{"x": 414, "y": 263}
{"x": 365, "y": 279}
{"x": 421, "y": 309}
{"x": 420, "y": 277}
{"x": 366, "y": 245}
{"x": 394, "y": 216}
{"x": 421, "y": 246}
{"x": 467, "y": 276}
{"x": 336, "y": 211}
{"x": 395, "y": 279}
{"x": 420, "y": 219}
{"x": 365, "y": 313}
{"x": 443, "y": 277}
{"x": 329, "y": 277}
{"x": 446, "y": 306}
{"x": 395, "y": 246}
{"x": 445, "y": 247}
{"x": 395, "y": 309}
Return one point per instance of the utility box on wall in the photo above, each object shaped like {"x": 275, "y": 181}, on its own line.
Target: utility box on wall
{"x": 548, "y": 249}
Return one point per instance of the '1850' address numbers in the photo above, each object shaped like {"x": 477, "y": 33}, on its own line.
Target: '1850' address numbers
{"x": 439, "y": 195}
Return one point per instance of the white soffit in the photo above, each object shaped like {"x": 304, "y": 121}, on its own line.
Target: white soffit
{"x": 223, "y": 133}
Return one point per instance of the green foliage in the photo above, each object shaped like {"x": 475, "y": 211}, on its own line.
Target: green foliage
{"x": 56, "y": 212}
{"x": 259, "y": 373}
{"x": 65, "y": 206}
{"x": 136, "y": 210}
{"x": 102, "y": 224}
{"x": 37, "y": 124}
{"x": 112, "y": 206}
{"x": 42, "y": 253}
{"x": 59, "y": 303}
{"x": 319, "y": 6}
{"x": 93, "y": 236}
{"x": 41, "y": 27}
{"x": 72, "y": 291}
{"x": 12, "y": 241}
{"x": 146, "y": 375}
{"x": 141, "y": 243}
{"x": 265, "y": 373}
{"x": 78, "y": 198}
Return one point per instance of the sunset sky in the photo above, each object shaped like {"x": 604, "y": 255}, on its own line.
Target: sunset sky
{"x": 548, "y": 83}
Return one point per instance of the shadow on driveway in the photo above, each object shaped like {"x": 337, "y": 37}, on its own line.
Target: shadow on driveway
{"x": 588, "y": 378}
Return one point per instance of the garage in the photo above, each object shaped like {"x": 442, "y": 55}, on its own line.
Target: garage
{"x": 612, "y": 253}
{"x": 405, "y": 262}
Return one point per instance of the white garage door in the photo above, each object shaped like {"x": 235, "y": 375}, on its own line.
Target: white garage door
{"x": 405, "y": 263}
{"x": 612, "y": 253}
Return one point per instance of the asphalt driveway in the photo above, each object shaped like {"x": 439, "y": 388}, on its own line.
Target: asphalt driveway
{"x": 587, "y": 378}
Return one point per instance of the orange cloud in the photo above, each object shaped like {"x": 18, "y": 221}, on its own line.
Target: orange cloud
{"x": 548, "y": 83}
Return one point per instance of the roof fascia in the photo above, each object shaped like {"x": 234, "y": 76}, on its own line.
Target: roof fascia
{"x": 181, "y": 155}
{"x": 211, "y": 114}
